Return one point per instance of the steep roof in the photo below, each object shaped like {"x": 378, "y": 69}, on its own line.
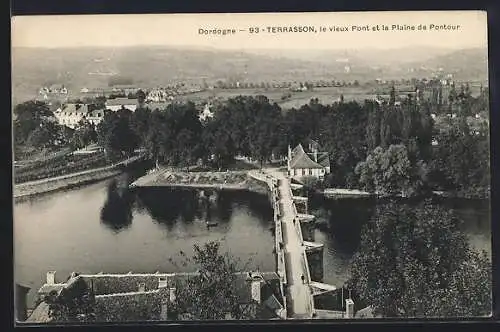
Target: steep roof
{"x": 323, "y": 158}
{"x": 75, "y": 108}
{"x": 300, "y": 159}
{"x": 297, "y": 149}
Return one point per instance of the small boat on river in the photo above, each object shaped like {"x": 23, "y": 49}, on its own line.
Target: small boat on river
{"x": 211, "y": 224}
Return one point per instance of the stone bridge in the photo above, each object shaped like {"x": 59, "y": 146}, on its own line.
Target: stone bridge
{"x": 295, "y": 248}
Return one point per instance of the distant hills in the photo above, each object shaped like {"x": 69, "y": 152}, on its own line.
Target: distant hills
{"x": 156, "y": 65}
{"x": 469, "y": 64}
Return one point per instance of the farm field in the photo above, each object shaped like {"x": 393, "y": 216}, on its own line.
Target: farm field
{"x": 296, "y": 99}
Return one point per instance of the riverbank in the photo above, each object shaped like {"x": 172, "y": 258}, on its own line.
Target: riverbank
{"x": 339, "y": 193}
{"x": 29, "y": 189}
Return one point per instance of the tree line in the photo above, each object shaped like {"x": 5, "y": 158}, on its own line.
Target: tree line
{"x": 389, "y": 148}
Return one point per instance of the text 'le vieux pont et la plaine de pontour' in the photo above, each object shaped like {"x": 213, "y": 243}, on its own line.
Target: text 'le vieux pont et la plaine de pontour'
{"x": 333, "y": 28}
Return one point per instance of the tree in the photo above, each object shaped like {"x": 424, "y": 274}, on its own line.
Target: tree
{"x": 28, "y": 117}
{"x": 392, "y": 97}
{"x": 461, "y": 159}
{"x": 44, "y": 135}
{"x": 84, "y": 135}
{"x": 72, "y": 305}
{"x": 140, "y": 123}
{"x": 390, "y": 172}
{"x": 115, "y": 134}
{"x": 414, "y": 261}
{"x": 141, "y": 97}
{"x": 213, "y": 292}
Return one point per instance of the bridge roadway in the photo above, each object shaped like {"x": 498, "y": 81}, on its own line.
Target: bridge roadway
{"x": 298, "y": 292}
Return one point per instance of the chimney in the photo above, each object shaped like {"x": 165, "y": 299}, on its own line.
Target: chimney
{"x": 349, "y": 308}
{"x": 171, "y": 294}
{"x": 51, "y": 277}
{"x": 315, "y": 155}
{"x": 256, "y": 290}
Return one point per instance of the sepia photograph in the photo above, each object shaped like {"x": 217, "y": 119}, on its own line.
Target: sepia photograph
{"x": 251, "y": 167}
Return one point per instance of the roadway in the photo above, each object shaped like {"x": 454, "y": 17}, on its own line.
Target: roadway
{"x": 298, "y": 292}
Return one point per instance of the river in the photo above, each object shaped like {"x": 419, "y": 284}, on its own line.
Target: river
{"x": 92, "y": 229}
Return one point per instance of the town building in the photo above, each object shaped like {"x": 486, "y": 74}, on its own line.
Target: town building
{"x": 54, "y": 89}
{"x": 150, "y": 297}
{"x": 121, "y": 103}
{"x": 157, "y": 95}
{"x": 95, "y": 117}
{"x": 71, "y": 114}
{"x": 304, "y": 164}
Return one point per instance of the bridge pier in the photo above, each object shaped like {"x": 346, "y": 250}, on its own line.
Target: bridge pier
{"x": 307, "y": 226}
{"x": 314, "y": 256}
{"x": 301, "y": 204}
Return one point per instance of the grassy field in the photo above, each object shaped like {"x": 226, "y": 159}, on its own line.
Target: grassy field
{"x": 296, "y": 99}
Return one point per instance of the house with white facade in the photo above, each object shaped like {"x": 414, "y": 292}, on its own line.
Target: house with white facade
{"x": 119, "y": 103}
{"x": 157, "y": 95}
{"x": 71, "y": 114}
{"x": 305, "y": 164}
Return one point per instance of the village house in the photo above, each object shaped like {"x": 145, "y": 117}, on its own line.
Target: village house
{"x": 149, "y": 297}
{"x": 120, "y": 103}
{"x": 95, "y": 117}
{"x": 58, "y": 88}
{"x": 304, "y": 164}
{"x": 157, "y": 95}
{"x": 71, "y": 114}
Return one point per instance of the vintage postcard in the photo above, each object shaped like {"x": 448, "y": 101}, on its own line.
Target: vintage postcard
{"x": 272, "y": 166}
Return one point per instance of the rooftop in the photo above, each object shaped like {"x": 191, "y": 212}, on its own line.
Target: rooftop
{"x": 72, "y": 108}
{"x": 139, "y": 296}
{"x": 300, "y": 159}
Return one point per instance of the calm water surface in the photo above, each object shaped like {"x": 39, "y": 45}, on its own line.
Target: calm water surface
{"x": 93, "y": 229}
{"x": 89, "y": 231}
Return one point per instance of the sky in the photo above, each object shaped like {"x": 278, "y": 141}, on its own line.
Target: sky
{"x": 183, "y": 30}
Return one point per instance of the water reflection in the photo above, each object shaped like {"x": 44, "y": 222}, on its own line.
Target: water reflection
{"x": 342, "y": 221}
{"x": 169, "y": 205}
{"x": 116, "y": 213}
